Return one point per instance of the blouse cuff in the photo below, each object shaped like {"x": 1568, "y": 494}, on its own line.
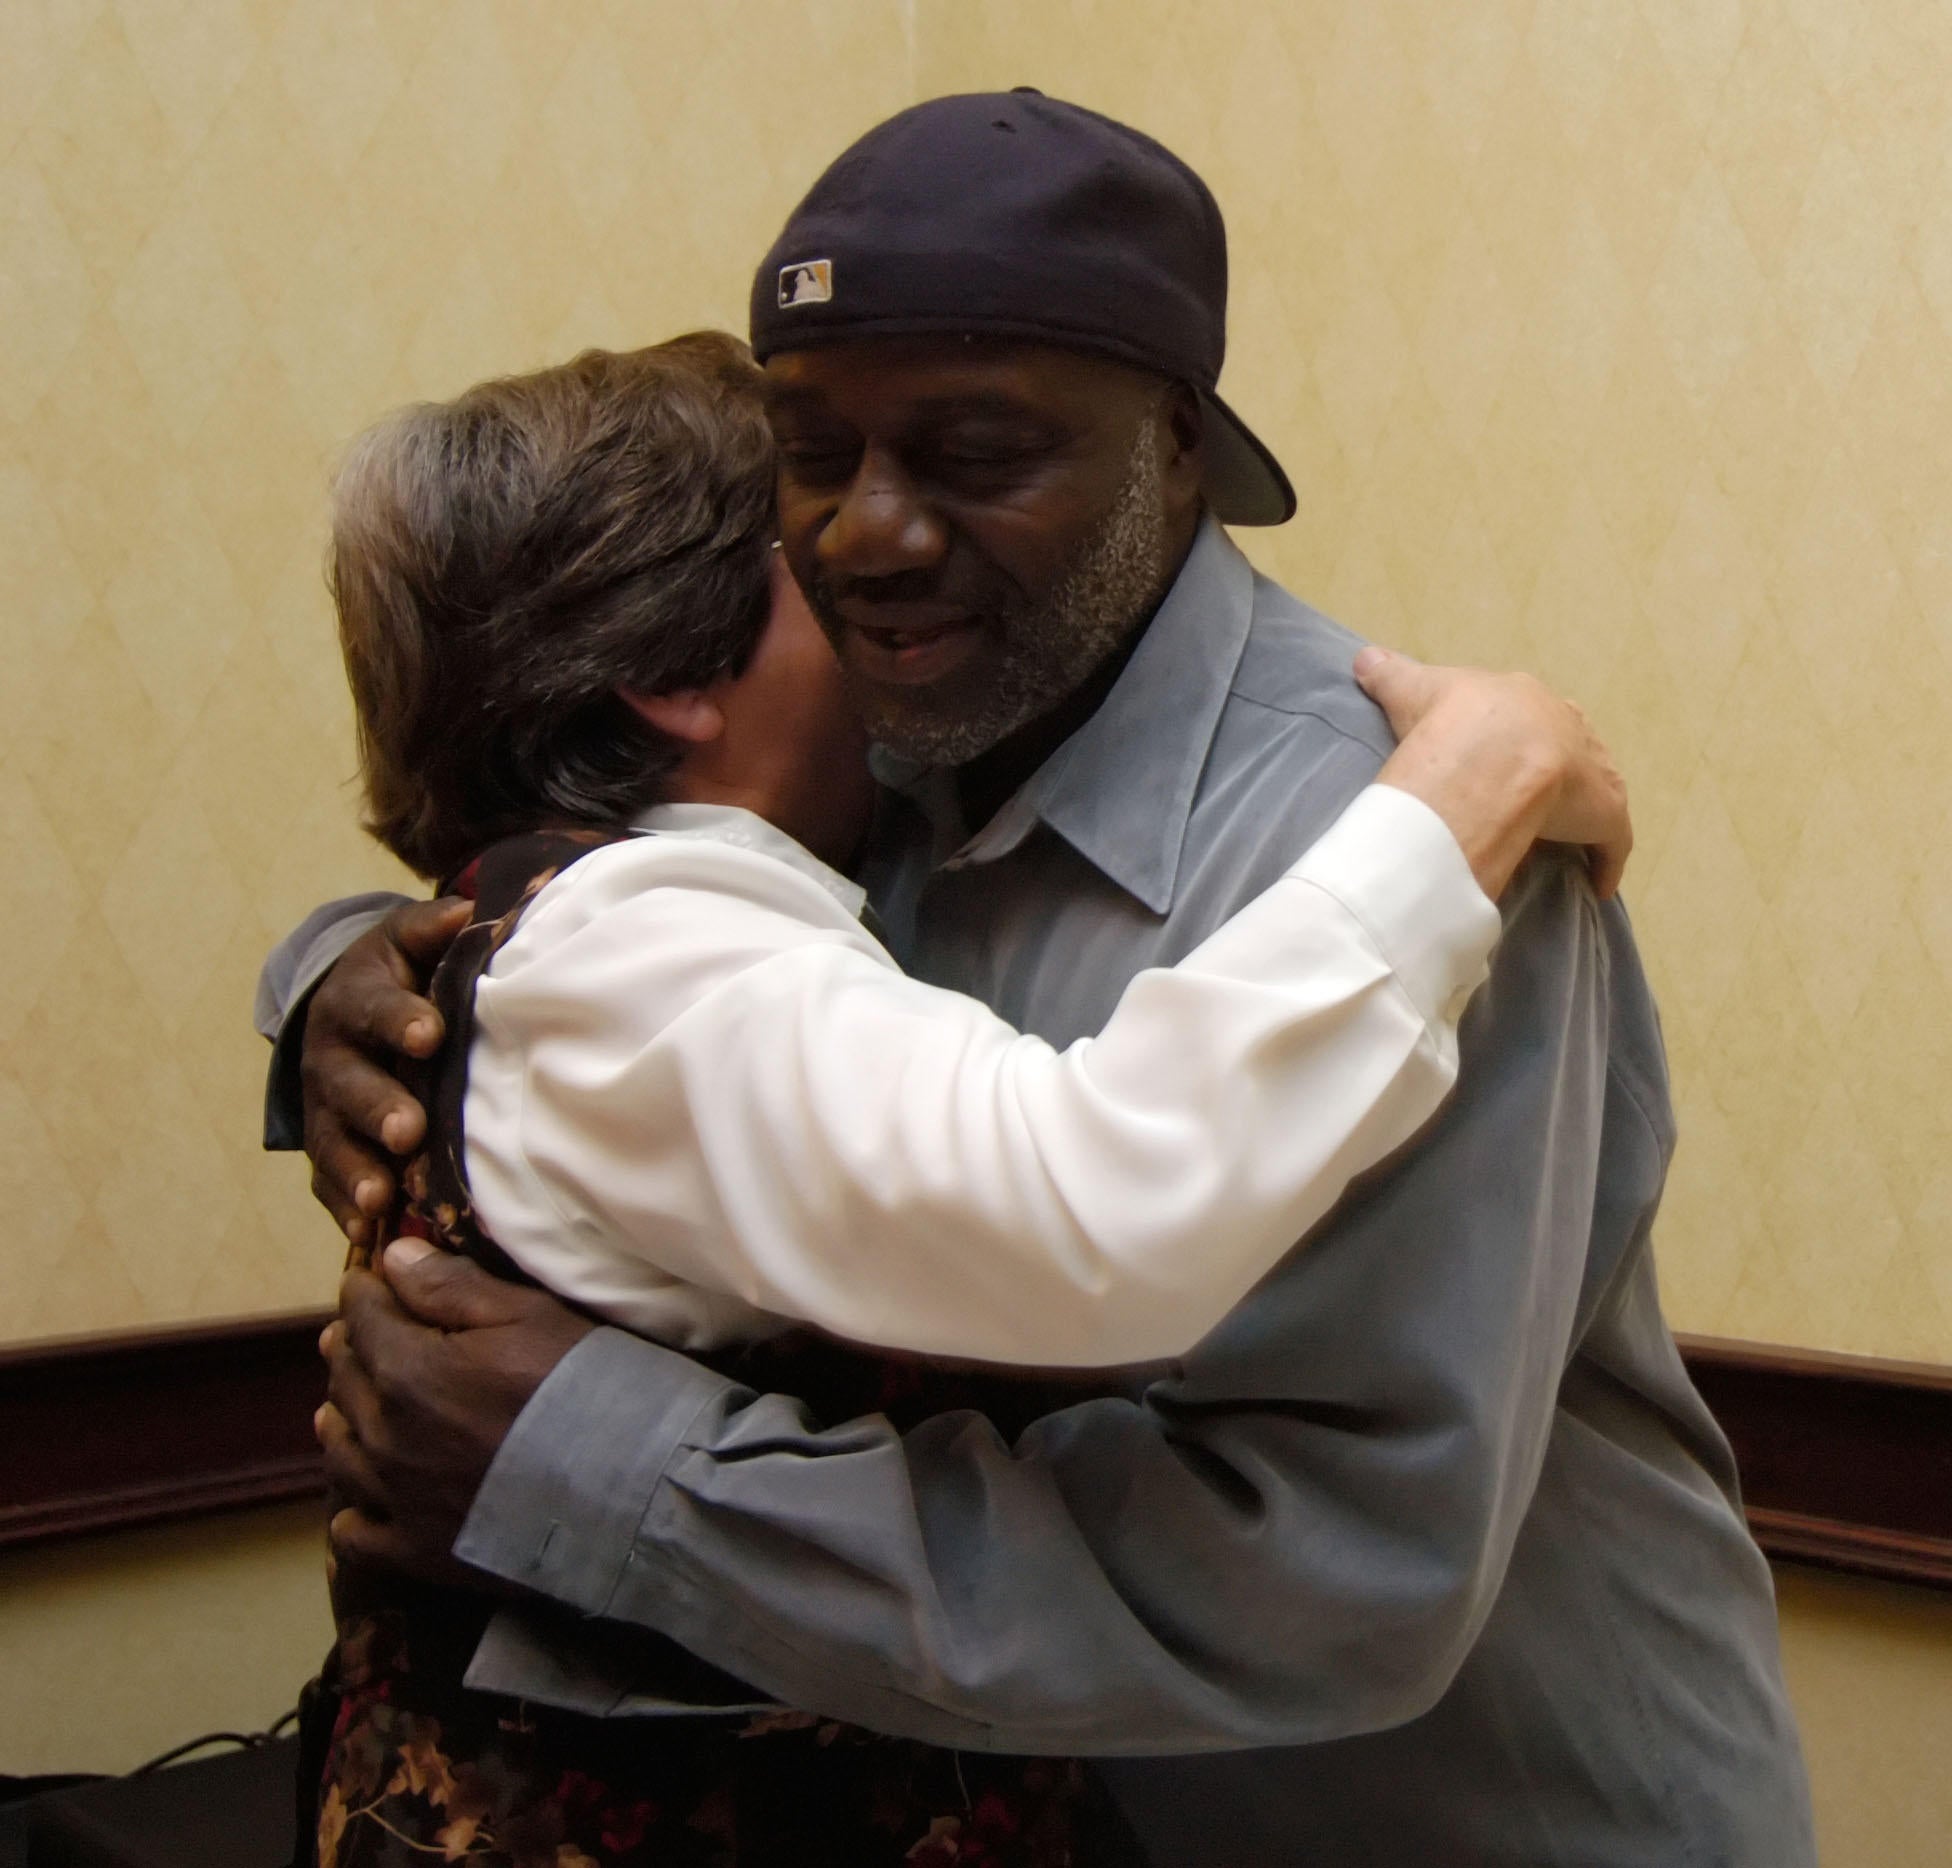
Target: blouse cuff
{"x": 1392, "y": 862}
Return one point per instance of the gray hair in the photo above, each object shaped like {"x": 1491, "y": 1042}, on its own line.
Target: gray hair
{"x": 504, "y": 562}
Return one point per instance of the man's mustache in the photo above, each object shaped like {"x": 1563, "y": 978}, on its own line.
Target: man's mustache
{"x": 896, "y": 587}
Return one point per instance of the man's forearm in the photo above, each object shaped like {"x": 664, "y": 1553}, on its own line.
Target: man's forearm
{"x": 285, "y": 982}
{"x": 1296, "y": 1539}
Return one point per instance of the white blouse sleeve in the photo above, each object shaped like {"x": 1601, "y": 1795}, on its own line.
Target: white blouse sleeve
{"x": 692, "y": 1065}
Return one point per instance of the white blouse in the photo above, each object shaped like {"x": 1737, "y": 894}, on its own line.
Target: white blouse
{"x": 704, "y": 1102}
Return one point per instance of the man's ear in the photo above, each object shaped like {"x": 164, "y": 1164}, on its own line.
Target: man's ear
{"x": 688, "y": 715}
{"x": 1182, "y": 422}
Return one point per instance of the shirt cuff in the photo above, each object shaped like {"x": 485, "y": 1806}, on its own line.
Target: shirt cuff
{"x": 1392, "y": 862}
{"x": 566, "y": 1495}
{"x": 284, "y": 994}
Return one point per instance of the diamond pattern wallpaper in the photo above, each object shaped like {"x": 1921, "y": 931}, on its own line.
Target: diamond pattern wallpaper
{"x": 1614, "y": 338}
{"x": 232, "y": 232}
{"x": 1609, "y": 337}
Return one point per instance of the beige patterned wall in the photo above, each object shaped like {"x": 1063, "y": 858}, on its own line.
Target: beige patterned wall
{"x": 1609, "y": 336}
{"x": 230, "y": 234}
{"x": 1614, "y": 337}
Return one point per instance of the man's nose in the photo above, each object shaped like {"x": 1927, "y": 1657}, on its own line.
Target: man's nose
{"x": 882, "y": 525}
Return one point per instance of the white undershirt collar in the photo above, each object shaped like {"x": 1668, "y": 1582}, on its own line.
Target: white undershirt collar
{"x": 745, "y": 830}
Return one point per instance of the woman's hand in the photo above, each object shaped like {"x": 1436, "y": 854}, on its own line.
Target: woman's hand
{"x": 1504, "y": 762}
{"x": 367, "y": 1017}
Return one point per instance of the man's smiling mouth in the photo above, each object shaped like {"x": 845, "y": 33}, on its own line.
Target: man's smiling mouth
{"x": 912, "y": 652}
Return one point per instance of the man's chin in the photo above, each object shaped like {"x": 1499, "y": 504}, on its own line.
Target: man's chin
{"x": 932, "y": 742}
{"x": 929, "y": 728}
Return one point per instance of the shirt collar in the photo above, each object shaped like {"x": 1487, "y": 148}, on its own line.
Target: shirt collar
{"x": 1120, "y": 790}
{"x": 728, "y": 823}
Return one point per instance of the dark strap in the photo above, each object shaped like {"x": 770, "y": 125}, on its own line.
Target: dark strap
{"x": 502, "y": 881}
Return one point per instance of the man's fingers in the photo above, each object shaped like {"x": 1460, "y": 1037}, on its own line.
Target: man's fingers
{"x": 353, "y": 1100}
{"x": 378, "y": 1334}
{"x": 350, "y": 1179}
{"x": 450, "y": 1292}
{"x": 349, "y": 1384}
{"x": 372, "y": 999}
{"x": 428, "y": 1393}
{"x": 371, "y": 1010}
{"x": 368, "y": 1002}
{"x": 341, "y": 1202}
{"x": 380, "y": 1542}
{"x": 424, "y": 931}
{"x": 364, "y": 1538}
{"x": 347, "y": 1469}
{"x": 384, "y": 1008}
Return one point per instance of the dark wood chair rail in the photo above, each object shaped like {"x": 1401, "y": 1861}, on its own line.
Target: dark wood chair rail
{"x": 1846, "y": 1460}
{"x": 104, "y": 1432}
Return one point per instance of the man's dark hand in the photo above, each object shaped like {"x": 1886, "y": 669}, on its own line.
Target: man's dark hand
{"x": 367, "y": 1014}
{"x": 430, "y": 1364}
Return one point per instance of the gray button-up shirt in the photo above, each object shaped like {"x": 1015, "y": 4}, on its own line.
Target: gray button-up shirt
{"x": 1429, "y": 1554}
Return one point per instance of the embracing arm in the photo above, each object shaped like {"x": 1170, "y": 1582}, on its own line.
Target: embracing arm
{"x": 1498, "y": 758}
{"x": 695, "y": 1065}
{"x": 1296, "y": 1538}
{"x": 690, "y": 1064}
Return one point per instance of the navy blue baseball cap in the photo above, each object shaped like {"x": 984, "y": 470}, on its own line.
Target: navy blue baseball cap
{"x": 1011, "y": 214}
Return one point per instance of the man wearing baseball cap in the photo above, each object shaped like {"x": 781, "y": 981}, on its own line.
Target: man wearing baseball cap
{"x": 1431, "y": 1553}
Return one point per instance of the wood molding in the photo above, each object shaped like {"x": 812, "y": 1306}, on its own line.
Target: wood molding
{"x": 104, "y": 1433}
{"x": 1846, "y": 1461}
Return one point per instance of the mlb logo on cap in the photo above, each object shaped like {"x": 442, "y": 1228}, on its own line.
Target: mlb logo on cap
{"x": 807, "y": 282}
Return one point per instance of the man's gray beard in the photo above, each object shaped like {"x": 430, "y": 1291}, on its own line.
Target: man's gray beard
{"x": 1051, "y": 648}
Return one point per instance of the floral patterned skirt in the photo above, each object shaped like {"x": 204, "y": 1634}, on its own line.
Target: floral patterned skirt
{"x": 414, "y": 1776}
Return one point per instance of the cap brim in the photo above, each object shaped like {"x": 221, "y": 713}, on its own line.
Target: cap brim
{"x": 1243, "y": 482}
